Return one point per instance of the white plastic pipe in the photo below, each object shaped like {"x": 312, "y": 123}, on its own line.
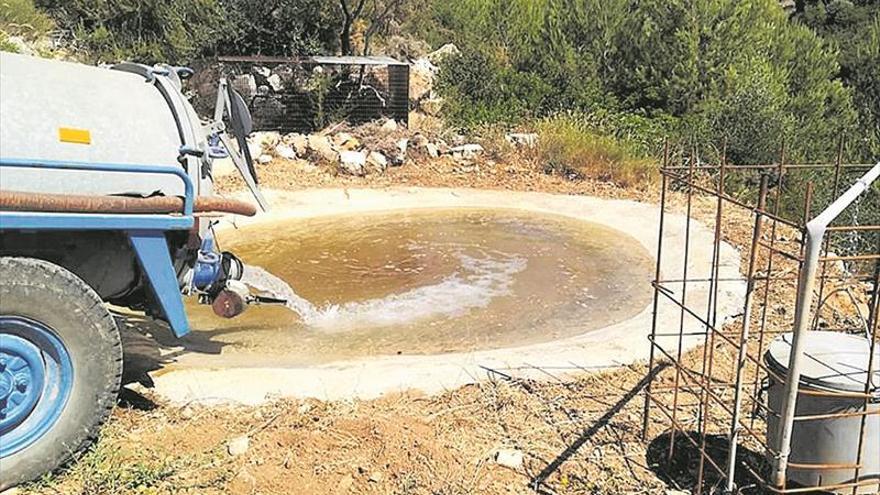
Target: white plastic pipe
{"x": 815, "y": 234}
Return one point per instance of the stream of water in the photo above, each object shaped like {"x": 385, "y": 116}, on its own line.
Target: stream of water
{"x": 479, "y": 280}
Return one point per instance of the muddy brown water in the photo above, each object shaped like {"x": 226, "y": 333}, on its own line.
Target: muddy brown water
{"x": 424, "y": 282}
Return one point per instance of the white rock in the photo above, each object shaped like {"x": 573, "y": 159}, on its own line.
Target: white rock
{"x": 375, "y": 477}
{"x": 244, "y": 476}
{"x": 255, "y": 149}
{"x": 421, "y": 79}
{"x": 511, "y": 458}
{"x": 466, "y": 151}
{"x": 263, "y": 71}
{"x": 525, "y": 139}
{"x": 275, "y": 82}
{"x": 350, "y": 145}
{"x": 441, "y": 53}
{"x": 285, "y": 151}
{"x": 425, "y": 65}
{"x": 352, "y": 162}
{"x": 321, "y": 146}
{"x": 342, "y": 138}
{"x": 297, "y": 141}
{"x": 267, "y": 140}
{"x": 377, "y": 161}
{"x": 400, "y": 156}
{"x": 432, "y": 150}
{"x": 390, "y": 125}
{"x": 345, "y": 141}
{"x": 264, "y": 159}
{"x": 238, "y": 445}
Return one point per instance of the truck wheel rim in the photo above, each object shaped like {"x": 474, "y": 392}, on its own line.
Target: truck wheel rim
{"x": 36, "y": 377}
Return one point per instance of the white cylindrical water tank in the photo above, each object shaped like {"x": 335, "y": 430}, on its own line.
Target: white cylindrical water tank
{"x": 64, "y": 111}
{"x": 834, "y": 375}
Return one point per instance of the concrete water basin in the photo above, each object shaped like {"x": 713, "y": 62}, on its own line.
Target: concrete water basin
{"x": 429, "y": 289}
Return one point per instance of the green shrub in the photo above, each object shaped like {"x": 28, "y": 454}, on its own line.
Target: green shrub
{"x": 280, "y": 27}
{"x": 711, "y": 70}
{"x": 738, "y": 71}
{"x": 6, "y": 45}
{"x": 853, "y": 28}
{"x": 182, "y": 30}
{"x": 481, "y": 89}
{"x": 146, "y": 31}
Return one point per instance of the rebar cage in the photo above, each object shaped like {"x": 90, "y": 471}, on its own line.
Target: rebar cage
{"x": 709, "y": 395}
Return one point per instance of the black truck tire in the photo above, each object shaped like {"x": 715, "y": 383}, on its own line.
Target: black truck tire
{"x": 39, "y": 299}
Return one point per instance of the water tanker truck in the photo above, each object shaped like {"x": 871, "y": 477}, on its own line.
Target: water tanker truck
{"x": 105, "y": 198}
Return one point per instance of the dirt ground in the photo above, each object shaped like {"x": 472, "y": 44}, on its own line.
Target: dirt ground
{"x": 574, "y": 436}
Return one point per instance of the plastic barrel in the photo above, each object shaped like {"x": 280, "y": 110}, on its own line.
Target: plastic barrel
{"x": 834, "y": 373}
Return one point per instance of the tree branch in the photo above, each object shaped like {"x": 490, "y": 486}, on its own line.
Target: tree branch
{"x": 360, "y": 8}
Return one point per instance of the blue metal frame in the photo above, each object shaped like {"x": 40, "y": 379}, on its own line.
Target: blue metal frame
{"x": 152, "y": 253}
{"x": 146, "y": 232}
{"x": 18, "y": 220}
{"x": 110, "y": 167}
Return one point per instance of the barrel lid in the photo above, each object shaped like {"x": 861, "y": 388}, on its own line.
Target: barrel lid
{"x": 832, "y": 360}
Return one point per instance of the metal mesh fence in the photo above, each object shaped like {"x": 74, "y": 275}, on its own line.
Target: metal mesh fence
{"x": 307, "y": 94}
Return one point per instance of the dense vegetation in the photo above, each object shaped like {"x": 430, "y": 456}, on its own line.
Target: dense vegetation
{"x": 853, "y": 28}
{"x": 706, "y": 73}
{"x": 181, "y": 30}
{"x": 743, "y": 71}
{"x": 21, "y": 19}
{"x": 734, "y": 69}
{"x": 618, "y": 74}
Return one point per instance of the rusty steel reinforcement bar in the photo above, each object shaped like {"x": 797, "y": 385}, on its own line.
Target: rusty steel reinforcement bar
{"x": 872, "y": 329}
{"x": 657, "y": 275}
{"x": 816, "y": 229}
{"x": 744, "y": 335}
{"x": 775, "y": 216}
{"x": 684, "y": 275}
{"x": 72, "y": 203}
{"x": 711, "y": 315}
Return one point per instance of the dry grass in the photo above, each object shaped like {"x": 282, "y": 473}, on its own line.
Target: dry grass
{"x": 571, "y": 147}
{"x": 398, "y": 444}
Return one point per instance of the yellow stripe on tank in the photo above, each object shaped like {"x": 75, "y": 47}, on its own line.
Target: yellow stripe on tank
{"x": 77, "y": 136}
